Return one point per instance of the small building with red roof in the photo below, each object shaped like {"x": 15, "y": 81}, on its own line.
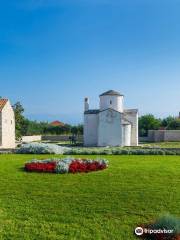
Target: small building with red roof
{"x": 57, "y": 124}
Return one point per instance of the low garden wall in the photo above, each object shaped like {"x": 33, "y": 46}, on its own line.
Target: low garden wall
{"x": 163, "y": 135}
{"x": 28, "y": 139}
{"x": 172, "y": 135}
{"x": 51, "y": 138}
{"x": 59, "y": 138}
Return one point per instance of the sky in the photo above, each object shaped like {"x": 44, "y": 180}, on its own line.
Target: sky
{"x": 53, "y": 53}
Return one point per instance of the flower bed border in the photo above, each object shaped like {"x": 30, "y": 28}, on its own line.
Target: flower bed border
{"x": 67, "y": 165}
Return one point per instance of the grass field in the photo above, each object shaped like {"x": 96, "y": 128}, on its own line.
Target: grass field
{"x": 162, "y": 144}
{"x": 100, "y": 205}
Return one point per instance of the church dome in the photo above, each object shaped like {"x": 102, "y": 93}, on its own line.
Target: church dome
{"x": 111, "y": 93}
{"x": 111, "y": 99}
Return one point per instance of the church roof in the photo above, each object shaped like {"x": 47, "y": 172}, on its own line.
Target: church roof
{"x": 111, "y": 93}
{"x": 2, "y": 103}
{"x": 92, "y": 111}
{"x": 130, "y": 110}
{"x": 126, "y": 121}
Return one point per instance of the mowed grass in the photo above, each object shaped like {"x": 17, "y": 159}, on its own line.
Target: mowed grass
{"x": 101, "y": 205}
{"x": 162, "y": 144}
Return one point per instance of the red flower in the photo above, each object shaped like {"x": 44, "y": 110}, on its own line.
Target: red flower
{"x": 75, "y": 166}
{"x": 40, "y": 167}
{"x": 83, "y": 166}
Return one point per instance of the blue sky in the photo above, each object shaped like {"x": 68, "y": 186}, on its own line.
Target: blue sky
{"x": 54, "y": 53}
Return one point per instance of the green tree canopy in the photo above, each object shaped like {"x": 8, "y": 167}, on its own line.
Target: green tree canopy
{"x": 148, "y": 122}
{"x": 166, "y": 122}
{"x": 20, "y": 121}
{"x": 174, "y": 124}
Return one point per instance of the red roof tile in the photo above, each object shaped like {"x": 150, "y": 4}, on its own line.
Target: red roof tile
{"x": 57, "y": 124}
{"x": 2, "y": 103}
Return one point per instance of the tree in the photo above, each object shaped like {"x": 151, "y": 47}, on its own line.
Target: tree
{"x": 35, "y": 128}
{"x": 148, "y": 122}
{"x": 174, "y": 124}
{"x": 20, "y": 121}
{"x": 80, "y": 129}
{"x": 167, "y": 121}
{"x": 77, "y": 130}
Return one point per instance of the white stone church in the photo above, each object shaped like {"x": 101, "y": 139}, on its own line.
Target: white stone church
{"x": 7, "y": 125}
{"x": 111, "y": 124}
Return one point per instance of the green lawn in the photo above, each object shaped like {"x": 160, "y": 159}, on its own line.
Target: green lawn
{"x": 162, "y": 144}
{"x": 100, "y": 205}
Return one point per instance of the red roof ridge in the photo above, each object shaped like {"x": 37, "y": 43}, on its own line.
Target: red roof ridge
{"x": 3, "y": 102}
{"x": 57, "y": 123}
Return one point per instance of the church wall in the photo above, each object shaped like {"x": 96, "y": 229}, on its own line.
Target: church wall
{"x": 132, "y": 116}
{"x": 110, "y": 128}
{"x": 127, "y": 135}
{"x": 8, "y": 127}
{"x": 90, "y": 129}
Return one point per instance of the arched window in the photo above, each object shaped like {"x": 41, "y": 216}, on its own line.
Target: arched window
{"x": 110, "y": 102}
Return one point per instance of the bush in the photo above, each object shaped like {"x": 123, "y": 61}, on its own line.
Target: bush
{"x": 62, "y": 166}
{"x": 121, "y": 151}
{"x": 42, "y": 148}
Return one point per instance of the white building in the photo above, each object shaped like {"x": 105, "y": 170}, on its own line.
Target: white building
{"x": 7, "y": 125}
{"x": 111, "y": 124}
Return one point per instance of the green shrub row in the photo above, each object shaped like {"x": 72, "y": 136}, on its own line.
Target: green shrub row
{"x": 42, "y": 148}
{"x": 86, "y": 151}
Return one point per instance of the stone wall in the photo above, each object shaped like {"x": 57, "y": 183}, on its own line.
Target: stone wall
{"x": 28, "y": 139}
{"x": 91, "y": 129}
{"x": 60, "y": 138}
{"x": 50, "y": 138}
{"x": 172, "y": 135}
{"x": 110, "y": 128}
{"x": 163, "y": 135}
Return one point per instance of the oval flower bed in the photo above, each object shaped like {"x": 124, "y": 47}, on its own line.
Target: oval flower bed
{"x": 67, "y": 165}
